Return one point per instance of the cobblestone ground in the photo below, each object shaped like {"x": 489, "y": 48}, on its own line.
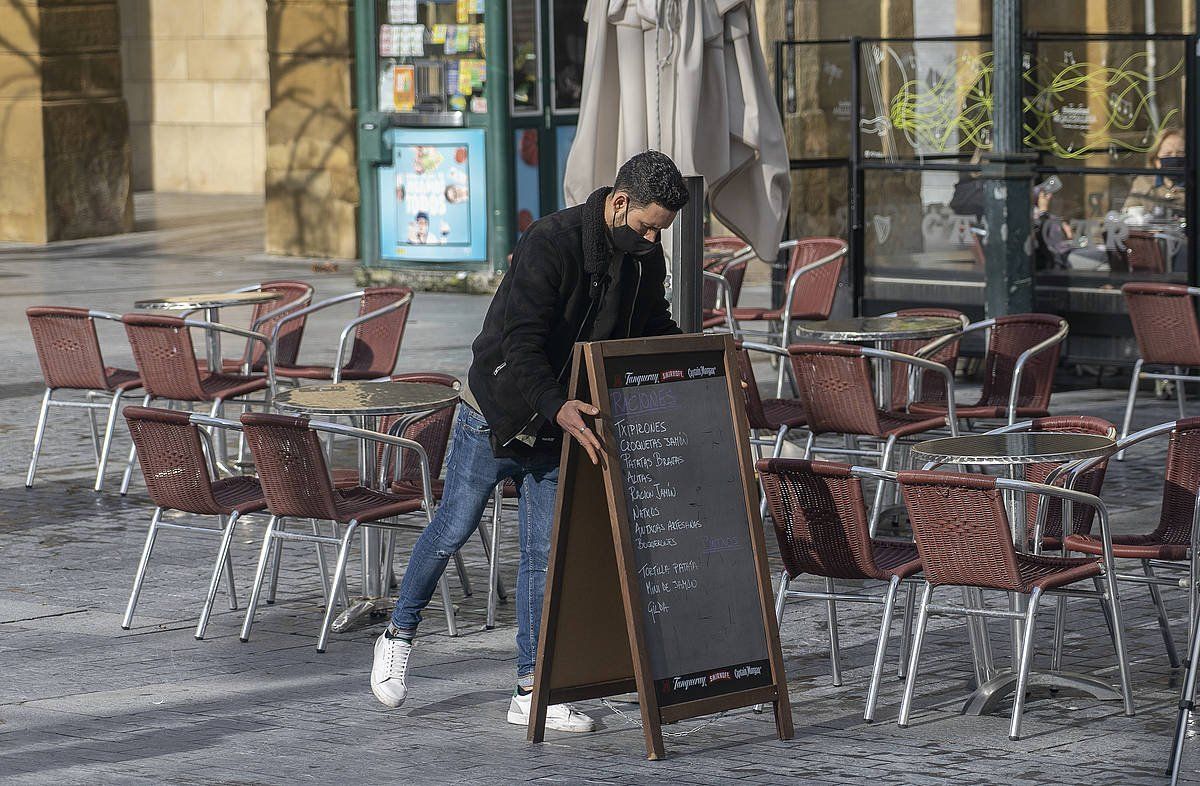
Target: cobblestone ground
{"x": 82, "y": 701}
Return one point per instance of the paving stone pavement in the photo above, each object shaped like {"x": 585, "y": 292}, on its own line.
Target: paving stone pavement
{"x": 82, "y": 701}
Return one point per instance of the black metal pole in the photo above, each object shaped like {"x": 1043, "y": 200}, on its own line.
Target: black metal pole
{"x": 687, "y": 263}
{"x": 856, "y": 178}
{"x": 1008, "y": 173}
{"x": 1192, "y": 138}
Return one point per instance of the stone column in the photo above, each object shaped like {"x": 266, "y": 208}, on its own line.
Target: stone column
{"x": 64, "y": 127}
{"x": 311, "y": 179}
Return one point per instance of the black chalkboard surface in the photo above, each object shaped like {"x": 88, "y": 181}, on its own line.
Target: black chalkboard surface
{"x": 658, "y": 578}
{"x": 689, "y": 529}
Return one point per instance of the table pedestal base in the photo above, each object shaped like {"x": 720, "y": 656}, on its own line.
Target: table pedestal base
{"x": 988, "y": 696}
{"x": 362, "y": 612}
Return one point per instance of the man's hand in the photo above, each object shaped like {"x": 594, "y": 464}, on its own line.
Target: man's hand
{"x": 570, "y": 420}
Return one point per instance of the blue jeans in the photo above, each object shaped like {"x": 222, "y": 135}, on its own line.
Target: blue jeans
{"x": 471, "y": 476}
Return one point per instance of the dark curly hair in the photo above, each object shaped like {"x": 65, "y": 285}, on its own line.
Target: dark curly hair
{"x": 652, "y": 178}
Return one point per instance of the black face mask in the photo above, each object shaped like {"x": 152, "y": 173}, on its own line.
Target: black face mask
{"x": 625, "y": 239}
{"x": 1173, "y": 162}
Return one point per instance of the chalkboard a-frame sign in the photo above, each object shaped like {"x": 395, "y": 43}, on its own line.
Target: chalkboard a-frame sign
{"x": 658, "y": 578}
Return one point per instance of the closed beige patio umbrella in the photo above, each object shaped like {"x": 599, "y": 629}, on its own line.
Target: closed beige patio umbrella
{"x": 686, "y": 77}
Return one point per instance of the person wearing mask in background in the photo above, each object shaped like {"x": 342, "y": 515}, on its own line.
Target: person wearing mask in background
{"x": 1160, "y": 195}
{"x": 591, "y": 272}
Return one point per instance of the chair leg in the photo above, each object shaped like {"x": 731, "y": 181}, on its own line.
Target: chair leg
{"x": 1164, "y": 624}
{"x": 218, "y": 566}
{"x": 1129, "y": 401}
{"x": 339, "y": 578}
{"x": 94, "y": 426}
{"x": 910, "y": 683}
{"x": 276, "y": 558}
{"x": 885, "y": 463}
{"x": 1187, "y": 698}
{"x": 322, "y": 565}
{"x": 448, "y": 606}
{"x": 132, "y": 458}
{"x": 835, "y": 649}
{"x": 808, "y": 444}
{"x": 1014, "y": 728}
{"x": 141, "y": 569}
{"x": 910, "y": 609}
{"x": 1060, "y": 631}
{"x": 776, "y": 449}
{"x": 1179, "y": 394}
{"x": 106, "y": 445}
{"x": 40, "y": 432}
{"x": 1113, "y": 597}
{"x": 491, "y": 546}
{"x": 233, "y": 604}
{"x": 263, "y": 558}
{"x": 464, "y": 580}
{"x": 885, "y": 626}
{"x": 780, "y": 600}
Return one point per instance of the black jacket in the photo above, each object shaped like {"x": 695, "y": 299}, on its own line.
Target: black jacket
{"x": 546, "y": 303}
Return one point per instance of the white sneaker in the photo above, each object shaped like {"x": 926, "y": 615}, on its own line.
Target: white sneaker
{"x": 389, "y": 670}
{"x": 559, "y": 717}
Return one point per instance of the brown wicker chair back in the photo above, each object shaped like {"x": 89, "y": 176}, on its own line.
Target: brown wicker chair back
{"x": 1164, "y": 321}
{"x": 755, "y": 415}
{"x": 287, "y": 349}
{"x": 1011, "y": 336}
{"x": 820, "y": 518}
{"x": 815, "y": 292}
{"x": 377, "y": 341}
{"x": 933, "y": 386}
{"x": 67, "y": 347}
{"x": 961, "y": 529}
{"x": 173, "y": 462}
{"x": 431, "y": 431}
{"x": 835, "y": 388}
{"x": 1143, "y": 253}
{"x": 1091, "y": 481}
{"x": 291, "y": 466}
{"x": 162, "y": 349}
{"x": 1181, "y": 484}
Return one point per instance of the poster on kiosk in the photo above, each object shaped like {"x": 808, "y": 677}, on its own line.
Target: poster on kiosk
{"x": 433, "y": 197}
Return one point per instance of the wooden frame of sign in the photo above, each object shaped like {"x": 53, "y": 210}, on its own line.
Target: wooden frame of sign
{"x": 677, "y": 608}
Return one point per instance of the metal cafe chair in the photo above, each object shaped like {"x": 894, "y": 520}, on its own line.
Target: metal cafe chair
{"x": 1168, "y": 334}
{"x": 1018, "y": 367}
{"x": 722, "y": 289}
{"x": 814, "y": 270}
{"x": 166, "y": 361}
{"x": 296, "y": 481}
{"x": 368, "y": 345}
{"x": 931, "y": 387}
{"x": 293, "y": 295}
{"x": 949, "y": 510}
{"x": 1173, "y": 544}
{"x": 68, "y": 351}
{"x": 823, "y": 531}
{"x": 1044, "y": 518}
{"x": 179, "y": 465}
{"x": 834, "y": 382}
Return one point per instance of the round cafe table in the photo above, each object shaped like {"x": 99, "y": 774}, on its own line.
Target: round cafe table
{"x": 364, "y": 403}
{"x": 879, "y": 331}
{"x": 1014, "y": 452}
{"x": 211, "y": 304}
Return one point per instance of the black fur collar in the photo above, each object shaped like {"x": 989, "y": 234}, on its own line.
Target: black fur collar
{"x": 597, "y": 248}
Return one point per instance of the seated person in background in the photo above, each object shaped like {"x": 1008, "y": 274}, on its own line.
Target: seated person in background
{"x": 1160, "y": 195}
{"x": 1053, "y": 238}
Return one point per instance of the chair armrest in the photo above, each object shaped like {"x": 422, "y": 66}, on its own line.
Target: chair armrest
{"x": 938, "y": 343}
{"x": 1011, "y": 428}
{"x": 725, "y": 295}
{"x": 206, "y": 436}
{"x": 95, "y": 314}
{"x": 350, "y": 327}
{"x": 333, "y": 301}
{"x": 928, "y": 365}
{"x": 247, "y": 334}
{"x": 1024, "y": 358}
{"x": 284, "y": 309}
{"x": 390, "y": 440}
{"x": 1072, "y": 496}
{"x": 771, "y": 349}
